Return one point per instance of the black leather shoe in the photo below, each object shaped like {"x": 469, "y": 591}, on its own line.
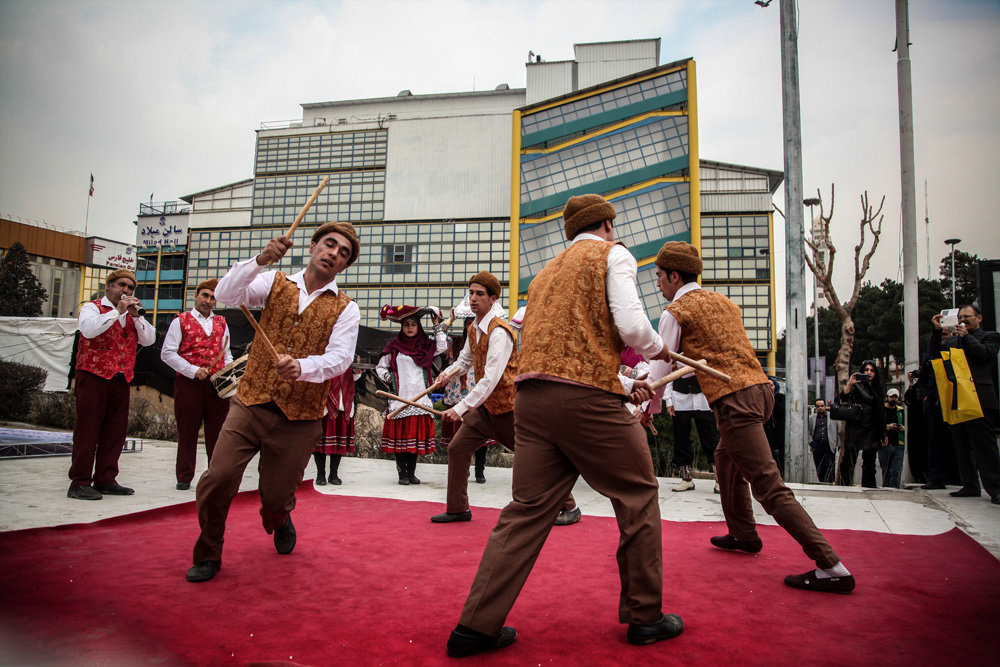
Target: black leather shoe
{"x": 412, "y": 479}
{"x": 995, "y": 501}
{"x": 203, "y": 571}
{"x": 183, "y": 486}
{"x": 333, "y": 479}
{"x": 320, "y": 480}
{"x": 84, "y": 493}
{"x": 404, "y": 480}
{"x": 115, "y": 489}
{"x": 466, "y": 641}
{"x": 810, "y": 582}
{"x": 961, "y": 493}
{"x": 480, "y": 477}
{"x": 932, "y": 485}
{"x": 449, "y": 517}
{"x": 567, "y": 517}
{"x": 668, "y": 627}
{"x": 732, "y": 544}
{"x": 284, "y": 538}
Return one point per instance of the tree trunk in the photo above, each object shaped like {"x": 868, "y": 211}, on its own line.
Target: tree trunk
{"x": 843, "y": 361}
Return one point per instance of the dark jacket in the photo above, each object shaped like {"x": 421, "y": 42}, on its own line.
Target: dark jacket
{"x": 864, "y": 433}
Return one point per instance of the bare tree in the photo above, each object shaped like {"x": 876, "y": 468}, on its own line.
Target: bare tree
{"x": 869, "y": 224}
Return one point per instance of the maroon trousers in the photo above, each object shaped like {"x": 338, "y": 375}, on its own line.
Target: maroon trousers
{"x": 565, "y": 431}
{"x": 478, "y": 426}
{"x": 285, "y": 447}
{"x": 196, "y": 401}
{"x": 743, "y": 455}
{"x": 100, "y": 428}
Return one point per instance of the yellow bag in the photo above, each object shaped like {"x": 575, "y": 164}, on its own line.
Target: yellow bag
{"x": 956, "y": 390}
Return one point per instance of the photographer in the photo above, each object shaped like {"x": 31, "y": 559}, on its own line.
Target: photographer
{"x": 890, "y": 456}
{"x": 865, "y": 433}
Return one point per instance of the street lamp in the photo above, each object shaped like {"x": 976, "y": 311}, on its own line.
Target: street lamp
{"x": 953, "y": 243}
{"x": 810, "y": 202}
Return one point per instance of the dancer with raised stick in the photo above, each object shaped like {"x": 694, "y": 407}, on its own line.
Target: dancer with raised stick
{"x": 583, "y": 308}
{"x": 487, "y": 412}
{"x": 196, "y": 346}
{"x": 708, "y": 325}
{"x": 307, "y": 335}
{"x": 408, "y": 429}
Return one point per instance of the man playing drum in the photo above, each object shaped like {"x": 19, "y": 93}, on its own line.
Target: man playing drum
{"x": 279, "y": 405}
{"x": 196, "y": 346}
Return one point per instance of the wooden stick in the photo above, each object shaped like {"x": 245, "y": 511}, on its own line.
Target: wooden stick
{"x": 421, "y": 395}
{"x": 222, "y": 351}
{"x": 701, "y": 366}
{"x": 260, "y": 332}
{"x": 309, "y": 203}
{"x": 670, "y": 377}
{"x": 385, "y": 394}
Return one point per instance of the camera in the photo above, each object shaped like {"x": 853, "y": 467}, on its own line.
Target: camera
{"x": 862, "y": 377}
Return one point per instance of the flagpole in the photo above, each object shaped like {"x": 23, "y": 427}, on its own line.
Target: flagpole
{"x": 86, "y": 220}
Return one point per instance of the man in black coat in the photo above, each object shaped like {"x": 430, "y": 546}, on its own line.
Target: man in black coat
{"x": 975, "y": 440}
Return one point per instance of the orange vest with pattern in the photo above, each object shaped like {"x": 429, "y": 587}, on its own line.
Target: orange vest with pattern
{"x": 712, "y": 329}
{"x": 110, "y": 353}
{"x": 501, "y": 400}
{"x": 198, "y": 349}
{"x": 568, "y": 330}
{"x": 297, "y": 335}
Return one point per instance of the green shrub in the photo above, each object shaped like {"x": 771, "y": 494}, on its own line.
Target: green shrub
{"x": 17, "y": 383}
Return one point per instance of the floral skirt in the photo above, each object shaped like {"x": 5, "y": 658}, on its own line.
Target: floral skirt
{"x": 413, "y": 435}
{"x": 338, "y": 435}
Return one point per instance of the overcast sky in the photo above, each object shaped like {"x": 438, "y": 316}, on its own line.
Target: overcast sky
{"x": 163, "y": 97}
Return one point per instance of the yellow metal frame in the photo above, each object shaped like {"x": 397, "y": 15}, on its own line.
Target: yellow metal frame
{"x": 515, "y": 215}
{"x": 598, "y": 91}
{"x": 604, "y": 130}
{"x": 772, "y": 355}
{"x": 620, "y": 193}
{"x": 694, "y": 194}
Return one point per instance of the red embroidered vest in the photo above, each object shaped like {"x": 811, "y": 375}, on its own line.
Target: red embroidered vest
{"x": 198, "y": 349}
{"x": 110, "y": 353}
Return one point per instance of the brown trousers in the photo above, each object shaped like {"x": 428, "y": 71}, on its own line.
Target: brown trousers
{"x": 99, "y": 430}
{"x": 564, "y": 431}
{"x": 478, "y": 426}
{"x": 744, "y": 454}
{"x": 285, "y": 448}
{"x": 196, "y": 401}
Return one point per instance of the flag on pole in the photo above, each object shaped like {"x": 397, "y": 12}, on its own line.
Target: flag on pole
{"x": 91, "y": 184}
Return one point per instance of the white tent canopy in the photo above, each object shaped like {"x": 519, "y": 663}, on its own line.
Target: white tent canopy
{"x": 45, "y": 342}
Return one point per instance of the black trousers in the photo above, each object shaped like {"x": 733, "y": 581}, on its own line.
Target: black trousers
{"x": 708, "y": 433}
{"x": 977, "y": 453}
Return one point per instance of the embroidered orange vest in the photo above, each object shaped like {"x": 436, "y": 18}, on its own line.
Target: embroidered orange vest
{"x": 712, "y": 329}
{"x": 297, "y": 335}
{"x": 198, "y": 349}
{"x": 501, "y": 400}
{"x": 110, "y": 353}
{"x": 568, "y": 329}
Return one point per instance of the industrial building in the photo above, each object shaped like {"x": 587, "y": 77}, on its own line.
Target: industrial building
{"x": 441, "y": 186}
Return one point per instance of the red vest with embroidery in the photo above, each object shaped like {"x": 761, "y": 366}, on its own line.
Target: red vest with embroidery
{"x": 198, "y": 349}
{"x": 110, "y": 353}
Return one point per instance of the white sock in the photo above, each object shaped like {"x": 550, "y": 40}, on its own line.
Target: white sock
{"x": 837, "y": 570}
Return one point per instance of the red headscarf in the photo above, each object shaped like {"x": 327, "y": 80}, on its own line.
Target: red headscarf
{"x": 420, "y": 348}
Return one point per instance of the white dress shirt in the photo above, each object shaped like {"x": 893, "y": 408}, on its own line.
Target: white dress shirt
{"x": 501, "y": 346}
{"x": 245, "y": 284}
{"x": 173, "y": 340}
{"x": 670, "y": 333}
{"x": 412, "y": 379}
{"x": 92, "y": 323}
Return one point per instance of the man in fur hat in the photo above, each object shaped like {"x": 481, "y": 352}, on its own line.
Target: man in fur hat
{"x": 279, "y": 406}
{"x": 487, "y": 412}
{"x": 111, "y": 330}
{"x": 196, "y": 346}
{"x": 583, "y": 308}
{"x": 707, "y": 325}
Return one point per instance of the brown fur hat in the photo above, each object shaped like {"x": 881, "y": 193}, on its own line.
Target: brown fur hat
{"x": 208, "y": 284}
{"x": 584, "y": 210}
{"x": 345, "y": 228}
{"x": 487, "y": 280}
{"x": 679, "y": 256}
{"x": 120, "y": 273}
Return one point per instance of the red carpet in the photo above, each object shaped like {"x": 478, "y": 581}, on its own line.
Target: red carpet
{"x": 374, "y": 582}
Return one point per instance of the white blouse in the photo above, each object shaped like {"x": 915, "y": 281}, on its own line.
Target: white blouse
{"x": 412, "y": 378}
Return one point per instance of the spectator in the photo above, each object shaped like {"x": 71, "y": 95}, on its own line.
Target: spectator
{"x": 865, "y": 433}
{"x": 824, "y": 441}
{"x": 975, "y": 440}
{"x": 890, "y": 455}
